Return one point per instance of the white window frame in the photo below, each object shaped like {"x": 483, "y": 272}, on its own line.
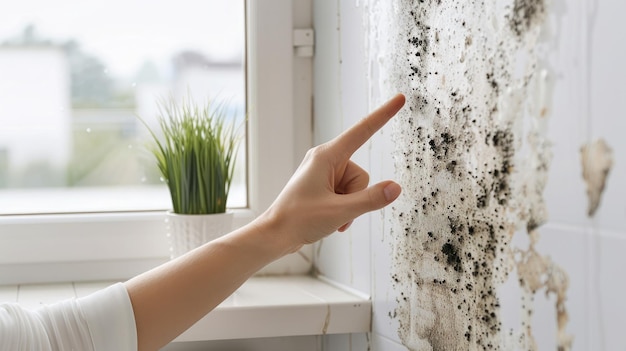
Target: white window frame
{"x": 104, "y": 246}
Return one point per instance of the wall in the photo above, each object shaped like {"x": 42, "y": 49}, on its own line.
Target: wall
{"x": 588, "y": 66}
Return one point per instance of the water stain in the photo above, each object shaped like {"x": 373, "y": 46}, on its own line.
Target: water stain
{"x": 536, "y": 272}
{"x": 597, "y": 161}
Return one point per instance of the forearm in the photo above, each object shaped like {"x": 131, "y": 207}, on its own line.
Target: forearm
{"x": 169, "y": 299}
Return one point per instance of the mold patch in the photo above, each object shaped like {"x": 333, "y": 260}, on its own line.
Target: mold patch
{"x": 537, "y": 272}
{"x": 472, "y": 175}
{"x": 597, "y": 160}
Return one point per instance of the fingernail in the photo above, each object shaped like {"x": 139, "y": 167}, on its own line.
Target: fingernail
{"x": 392, "y": 191}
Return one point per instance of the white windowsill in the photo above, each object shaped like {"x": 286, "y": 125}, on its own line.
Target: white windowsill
{"x": 262, "y": 307}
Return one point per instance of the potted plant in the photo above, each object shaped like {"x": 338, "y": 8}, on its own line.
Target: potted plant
{"x": 195, "y": 150}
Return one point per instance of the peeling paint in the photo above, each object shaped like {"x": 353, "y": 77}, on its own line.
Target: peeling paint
{"x": 472, "y": 156}
{"x": 597, "y": 160}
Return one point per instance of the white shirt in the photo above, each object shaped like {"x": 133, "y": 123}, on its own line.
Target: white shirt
{"x": 98, "y": 322}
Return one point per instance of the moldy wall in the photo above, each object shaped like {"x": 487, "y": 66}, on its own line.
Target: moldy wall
{"x": 573, "y": 82}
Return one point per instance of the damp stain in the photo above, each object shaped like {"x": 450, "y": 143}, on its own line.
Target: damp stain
{"x": 597, "y": 161}
{"x": 536, "y": 273}
{"x": 467, "y": 185}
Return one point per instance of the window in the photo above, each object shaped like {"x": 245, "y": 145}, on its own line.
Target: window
{"x": 74, "y": 83}
{"x": 114, "y": 245}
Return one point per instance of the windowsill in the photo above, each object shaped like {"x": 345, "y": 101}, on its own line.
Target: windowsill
{"x": 262, "y": 307}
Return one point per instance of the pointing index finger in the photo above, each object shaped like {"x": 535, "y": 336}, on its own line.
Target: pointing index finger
{"x": 353, "y": 138}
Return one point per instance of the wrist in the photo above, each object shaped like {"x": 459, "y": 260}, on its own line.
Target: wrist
{"x": 274, "y": 231}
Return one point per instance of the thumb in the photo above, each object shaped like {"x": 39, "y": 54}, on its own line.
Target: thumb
{"x": 374, "y": 197}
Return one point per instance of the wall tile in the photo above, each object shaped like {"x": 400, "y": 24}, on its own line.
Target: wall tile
{"x": 608, "y": 305}
{"x": 332, "y": 258}
{"x": 326, "y": 88}
{"x": 346, "y": 342}
{"x": 381, "y": 343}
{"x": 360, "y": 254}
{"x": 353, "y": 63}
{"x": 608, "y": 117}
{"x": 345, "y": 257}
{"x": 336, "y": 343}
{"x": 567, "y": 125}
{"x": 383, "y": 294}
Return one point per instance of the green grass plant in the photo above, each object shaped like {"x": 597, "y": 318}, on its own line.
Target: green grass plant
{"x": 195, "y": 152}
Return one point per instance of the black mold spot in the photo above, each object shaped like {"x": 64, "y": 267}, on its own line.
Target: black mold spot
{"x": 453, "y": 256}
{"x": 525, "y": 14}
{"x": 442, "y": 145}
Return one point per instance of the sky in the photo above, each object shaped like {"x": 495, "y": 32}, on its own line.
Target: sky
{"x": 126, "y": 33}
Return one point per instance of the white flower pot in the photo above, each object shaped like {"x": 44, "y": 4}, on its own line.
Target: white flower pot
{"x": 186, "y": 232}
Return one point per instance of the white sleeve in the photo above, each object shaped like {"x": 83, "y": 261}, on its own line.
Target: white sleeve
{"x": 98, "y": 322}
{"x": 110, "y": 318}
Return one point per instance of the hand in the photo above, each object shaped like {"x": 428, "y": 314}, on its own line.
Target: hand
{"x": 328, "y": 190}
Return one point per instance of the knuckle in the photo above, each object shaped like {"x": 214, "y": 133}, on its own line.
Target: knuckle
{"x": 315, "y": 152}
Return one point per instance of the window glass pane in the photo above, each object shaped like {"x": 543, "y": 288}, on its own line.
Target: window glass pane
{"x": 74, "y": 77}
